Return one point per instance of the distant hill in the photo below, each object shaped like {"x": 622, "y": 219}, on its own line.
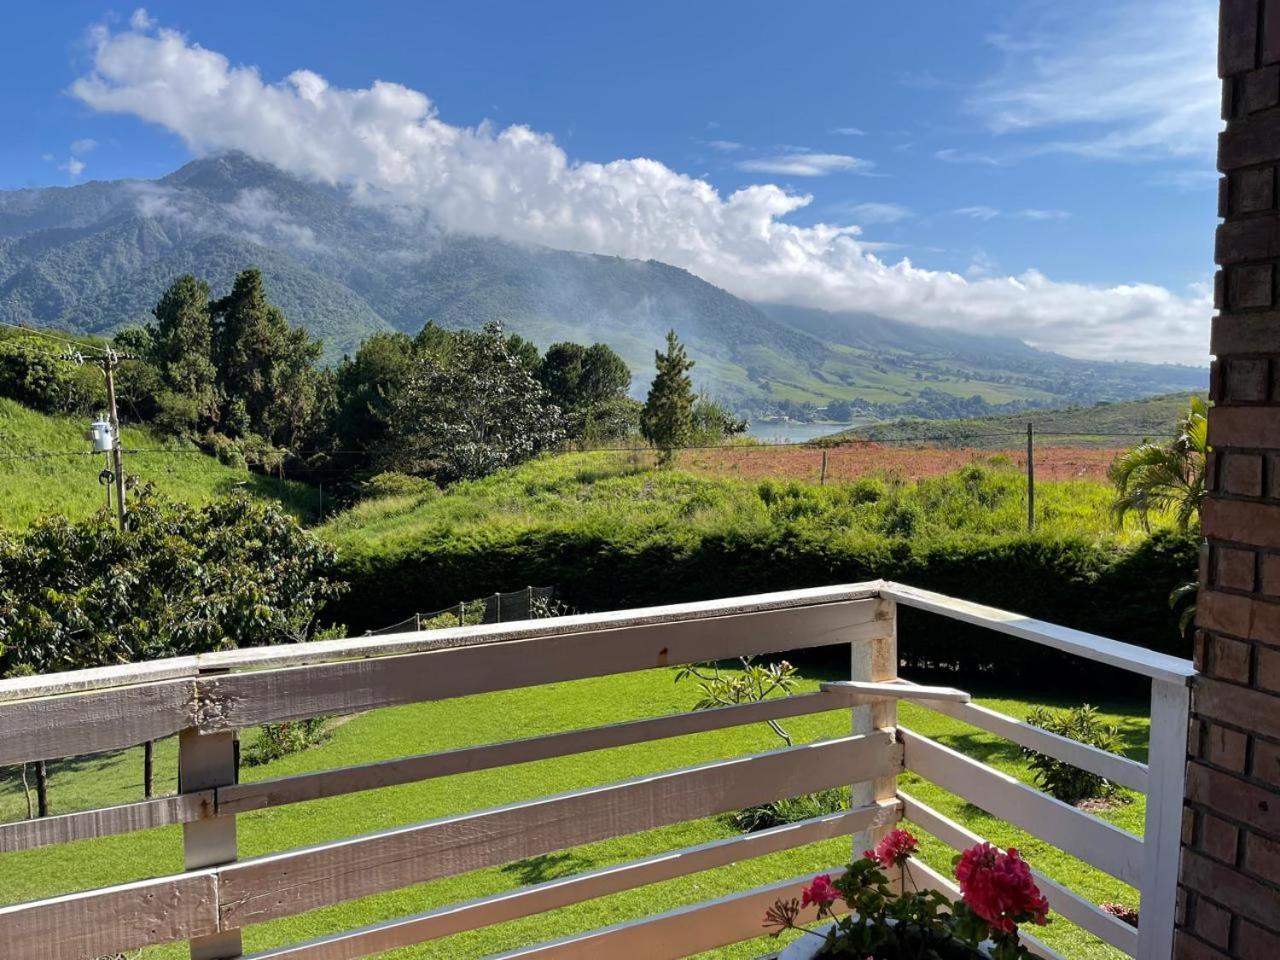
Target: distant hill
{"x": 45, "y": 468}
{"x": 1104, "y": 425}
{"x": 95, "y": 258}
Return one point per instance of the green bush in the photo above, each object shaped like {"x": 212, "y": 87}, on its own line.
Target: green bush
{"x": 393, "y": 484}
{"x": 276, "y": 740}
{"x": 778, "y": 813}
{"x": 1069, "y": 783}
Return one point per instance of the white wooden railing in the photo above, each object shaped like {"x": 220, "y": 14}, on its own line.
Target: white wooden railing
{"x": 206, "y": 700}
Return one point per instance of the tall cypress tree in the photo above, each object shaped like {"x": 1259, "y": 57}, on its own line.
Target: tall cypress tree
{"x": 667, "y": 418}
{"x": 183, "y": 345}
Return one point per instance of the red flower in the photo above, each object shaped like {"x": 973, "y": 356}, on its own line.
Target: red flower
{"x": 894, "y": 849}
{"x": 999, "y": 888}
{"x": 820, "y": 893}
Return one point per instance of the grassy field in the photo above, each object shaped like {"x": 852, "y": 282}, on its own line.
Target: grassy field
{"x": 492, "y": 717}
{"x": 45, "y": 468}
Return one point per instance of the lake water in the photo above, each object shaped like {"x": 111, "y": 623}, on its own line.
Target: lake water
{"x": 790, "y": 432}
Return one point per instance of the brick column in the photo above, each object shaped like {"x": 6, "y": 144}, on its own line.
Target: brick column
{"x": 1229, "y": 896}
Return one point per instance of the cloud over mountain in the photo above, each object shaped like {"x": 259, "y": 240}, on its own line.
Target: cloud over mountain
{"x": 388, "y": 143}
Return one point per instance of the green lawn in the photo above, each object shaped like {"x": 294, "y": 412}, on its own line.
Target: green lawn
{"x": 493, "y": 717}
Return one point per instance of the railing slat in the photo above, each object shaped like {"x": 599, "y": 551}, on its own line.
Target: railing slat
{"x": 1071, "y": 906}
{"x": 256, "y": 795}
{"x": 1126, "y": 656}
{"x": 678, "y": 933}
{"x": 1095, "y": 841}
{"x": 242, "y": 700}
{"x": 112, "y": 919}
{"x": 106, "y": 821}
{"x": 1121, "y": 770}
{"x": 293, "y": 882}
{"x": 564, "y": 891}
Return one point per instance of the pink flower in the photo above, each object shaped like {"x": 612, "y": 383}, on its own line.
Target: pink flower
{"x": 820, "y": 893}
{"x": 998, "y": 887}
{"x": 894, "y": 849}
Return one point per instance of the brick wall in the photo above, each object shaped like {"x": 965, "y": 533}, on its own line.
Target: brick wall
{"x": 1229, "y": 897}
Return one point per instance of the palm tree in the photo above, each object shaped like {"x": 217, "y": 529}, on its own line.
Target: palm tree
{"x": 1159, "y": 477}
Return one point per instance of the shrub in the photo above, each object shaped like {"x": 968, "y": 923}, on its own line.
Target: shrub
{"x": 276, "y": 740}
{"x": 1068, "y": 783}
{"x": 777, "y": 813}
{"x": 394, "y": 484}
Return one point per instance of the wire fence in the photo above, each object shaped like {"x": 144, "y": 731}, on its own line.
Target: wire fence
{"x": 529, "y": 603}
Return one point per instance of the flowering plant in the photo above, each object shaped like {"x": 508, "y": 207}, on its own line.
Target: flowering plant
{"x": 997, "y": 893}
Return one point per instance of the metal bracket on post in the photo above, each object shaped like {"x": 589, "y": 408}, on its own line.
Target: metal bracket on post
{"x": 205, "y": 762}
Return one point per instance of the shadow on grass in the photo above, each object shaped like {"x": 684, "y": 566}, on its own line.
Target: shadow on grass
{"x": 549, "y": 866}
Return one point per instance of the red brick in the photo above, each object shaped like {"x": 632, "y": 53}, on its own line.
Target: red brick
{"x": 1243, "y": 333}
{"x": 1219, "y": 291}
{"x": 1245, "y": 426}
{"x": 1240, "y": 616}
{"x": 1230, "y": 659}
{"x": 1254, "y": 942}
{"x": 1262, "y": 857}
{"x": 1248, "y": 380}
{"x": 1194, "y": 747}
{"x": 1233, "y": 889}
{"x": 1266, "y": 762}
{"x": 1252, "y": 710}
{"x": 1241, "y": 473}
{"x": 1270, "y": 31}
{"x": 1180, "y": 906}
{"x": 1237, "y": 241}
{"x": 1218, "y": 839}
{"x": 1238, "y": 40}
{"x": 1254, "y": 190}
{"x": 1261, "y": 89}
{"x": 1257, "y": 524}
{"x": 1269, "y": 669}
{"x": 1212, "y": 923}
{"x": 1226, "y": 748}
{"x": 1249, "y": 285}
{"x": 1227, "y": 794}
{"x": 1235, "y": 568}
{"x": 1273, "y": 474}
{"x": 1187, "y": 947}
{"x": 1270, "y": 585}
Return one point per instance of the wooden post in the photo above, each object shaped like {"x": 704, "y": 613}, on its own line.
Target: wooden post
{"x": 875, "y": 660}
{"x": 823, "y": 478}
{"x": 148, "y": 769}
{"x": 205, "y": 762}
{"x": 42, "y": 789}
{"x": 1031, "y": 478}
{"x": 1162, "y": 836}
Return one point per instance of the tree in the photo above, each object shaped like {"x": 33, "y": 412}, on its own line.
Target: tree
{"x": 182, "y": 349}
{"x": 590, "y": 385}
{"x": 667, "y": 418}
{"x": 1167, "y": 476}
{"x": 468, "y": 407}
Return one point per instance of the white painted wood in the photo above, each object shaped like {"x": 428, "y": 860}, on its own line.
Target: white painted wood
{"x": 564, "y": 891}
{"x": 48, "y": 728}
{"x": 1066, "y": 903}
{"x": 1167, "y": 757}
{"x": 926, "y": 878}
{"x": 898, "y": 690}
{"x": 299, "y": 880}
{"x": 247, "y": 699}
{"x": 677, "y": 933}
{"x": 96, "y": 678}
{"x": 259, "y": 794}
{"x": 873, "y": 664}
{"x": 1126, "y": 656}
{"x": 1094, "y": 841}
{"x": 326, "y": 651}
{"x": 110, "y": 920}
{"x": 204, "y": 763}
{"x": 104, "y": 822}
{"x": 1121, "y": 770}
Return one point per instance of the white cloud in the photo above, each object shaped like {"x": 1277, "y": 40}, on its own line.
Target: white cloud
{"x": 1032, "y": 214}
{"x": 141, "y": 20}
{"x": 952, "y": 155}
{"x": 849, "y": 131}
{"x": 1115, "y": 81}
{"x": 73, "y": 167}
{"x": 978, "y": 212}
{"x": 981, "y": 265}
{"x": 80, "y": 147}
{"x": 804, "y": 164}
{"x": 872, "y": 212}
{"x": 724, "y": 146}
{"x": 389, "y": 145}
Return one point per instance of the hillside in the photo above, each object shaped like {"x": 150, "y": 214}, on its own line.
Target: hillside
{"x": 45, "y": 468}
{"x": 1104, "y": 425}
{"x": 95, "y": 258}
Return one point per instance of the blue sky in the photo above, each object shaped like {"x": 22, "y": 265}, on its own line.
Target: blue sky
{"x": 979, "y": 140}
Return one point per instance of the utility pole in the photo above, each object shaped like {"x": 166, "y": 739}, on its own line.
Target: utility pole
{"x": 1031, "y": 479}
{"x": 111, "y": 360}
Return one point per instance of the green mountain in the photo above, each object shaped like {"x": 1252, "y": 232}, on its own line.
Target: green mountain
{"x": 95, "y": 258}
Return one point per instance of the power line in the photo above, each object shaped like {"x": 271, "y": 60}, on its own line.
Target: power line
{"x": 32, "y": 331}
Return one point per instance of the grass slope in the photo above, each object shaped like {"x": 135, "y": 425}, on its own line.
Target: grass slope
{"x": 45, "y": 468}
{"x": 486, "y": 718}
{"x": 1105, "y": 425}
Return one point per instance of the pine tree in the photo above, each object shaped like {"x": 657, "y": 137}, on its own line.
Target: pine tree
{"x": 667, "y": 418}
{"x": 182, "y": 349}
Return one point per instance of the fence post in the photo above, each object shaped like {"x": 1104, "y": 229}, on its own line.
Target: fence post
{"x": 875, "y": 660}
{"x": 823, "y": 479}
{"x": 1031, "y": 478}
{"x": 1162, "y": 835}
{"x": 207, "y": 761}
{"x": 462, "y": 614}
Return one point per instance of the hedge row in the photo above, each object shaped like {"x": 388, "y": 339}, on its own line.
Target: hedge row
{"x": 1091, "y": 585}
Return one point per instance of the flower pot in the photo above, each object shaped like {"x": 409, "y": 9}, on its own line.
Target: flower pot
{"x": 807, "y": 947}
